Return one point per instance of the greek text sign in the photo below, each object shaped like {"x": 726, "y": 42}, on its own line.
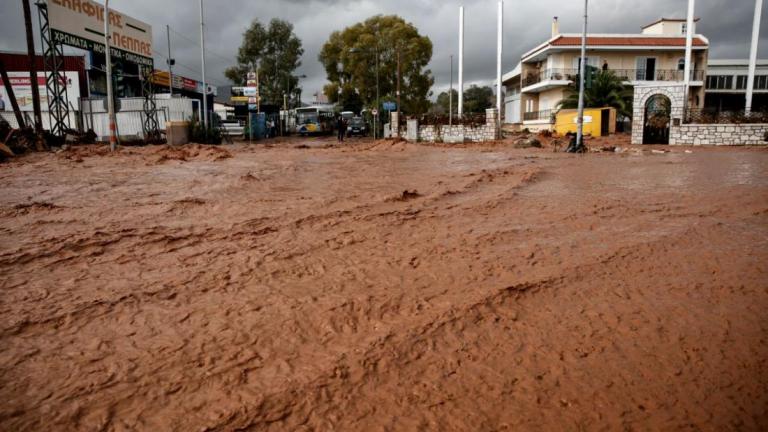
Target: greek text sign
{"x": 80, "y": 23}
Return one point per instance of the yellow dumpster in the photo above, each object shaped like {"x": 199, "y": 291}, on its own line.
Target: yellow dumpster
{"x": 597, "y": 121}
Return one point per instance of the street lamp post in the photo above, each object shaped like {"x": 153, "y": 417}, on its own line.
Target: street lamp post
{"x": 450, "y": 97}
{"x": 582, "y": 68}
{"x": 110, "y": 92}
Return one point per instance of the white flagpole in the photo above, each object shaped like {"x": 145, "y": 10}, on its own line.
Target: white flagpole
{"x": 688, "y": 48}
{"x": 499, "y": 47}
{"x": 461, "y": 61}
{"x": 753, "y": 55}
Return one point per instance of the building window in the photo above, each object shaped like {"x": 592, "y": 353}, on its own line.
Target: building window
{"x": 720, "y": 82}
{"x": 741, "y": 82}
{"x": 761, "y": 82}
{"x": 681, "y": 64}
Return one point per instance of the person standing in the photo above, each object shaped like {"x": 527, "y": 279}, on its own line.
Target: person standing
{"x": 2, "y": 103}
{"x": 341, "y": 127}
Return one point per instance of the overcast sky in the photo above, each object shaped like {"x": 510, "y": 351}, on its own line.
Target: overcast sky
{"x": 727, "y": 24}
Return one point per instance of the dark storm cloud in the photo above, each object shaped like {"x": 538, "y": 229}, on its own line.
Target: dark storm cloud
{"x": 727, "y": 24}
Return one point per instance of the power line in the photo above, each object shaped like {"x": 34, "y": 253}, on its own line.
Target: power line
{"x": 197, "y": 44}
{"x": 192, "y": 69}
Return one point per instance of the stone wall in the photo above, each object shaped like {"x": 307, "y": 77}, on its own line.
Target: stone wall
{"x": 718, "y": 134}
{"x": 459, "y": 133}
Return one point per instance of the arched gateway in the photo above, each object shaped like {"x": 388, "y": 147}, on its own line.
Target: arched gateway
{"x": 654, "y": 109}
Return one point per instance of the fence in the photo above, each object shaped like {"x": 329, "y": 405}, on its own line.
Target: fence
{"x": 129, "y": 118}
{"x": 715, "y": 116}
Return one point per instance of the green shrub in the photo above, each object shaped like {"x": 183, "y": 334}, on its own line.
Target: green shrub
{"x": 199, "y": 134}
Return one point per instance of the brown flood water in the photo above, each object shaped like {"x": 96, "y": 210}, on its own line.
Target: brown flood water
{"x": 383, "y": 287}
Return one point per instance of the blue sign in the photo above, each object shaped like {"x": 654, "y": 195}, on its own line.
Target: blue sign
{"x": 389, "y": 106}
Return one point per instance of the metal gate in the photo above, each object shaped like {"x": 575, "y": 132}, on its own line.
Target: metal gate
{"x": 657, "y": 119}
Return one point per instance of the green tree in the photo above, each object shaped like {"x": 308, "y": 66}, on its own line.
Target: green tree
{"x": 349, "y": 58}
{"x": 442, "y": 104}
{"x": 478, "y": 99}
{"x": 277, "y": 52}
{"x": 604, "y": 89}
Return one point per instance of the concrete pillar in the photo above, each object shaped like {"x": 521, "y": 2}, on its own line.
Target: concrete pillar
{"x": 394, "y": 124}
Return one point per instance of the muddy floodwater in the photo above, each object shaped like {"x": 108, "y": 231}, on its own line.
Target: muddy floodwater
{"x": 383, "y": 287}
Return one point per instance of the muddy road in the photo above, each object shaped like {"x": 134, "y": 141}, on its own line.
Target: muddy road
{"x": 383, "y": 287}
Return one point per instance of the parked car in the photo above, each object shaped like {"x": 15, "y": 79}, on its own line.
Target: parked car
{"x": 357, "y": 127}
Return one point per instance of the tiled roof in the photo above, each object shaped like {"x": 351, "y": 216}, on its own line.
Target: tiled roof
{"x": 626, "y": 41}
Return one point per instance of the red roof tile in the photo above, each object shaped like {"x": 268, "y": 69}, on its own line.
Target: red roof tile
{"x": 626, "y": 41}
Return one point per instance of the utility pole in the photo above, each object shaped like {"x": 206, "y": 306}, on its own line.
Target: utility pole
{"x": 582, "y": 69}
{"x": 461, "y": 60}
{"x": 499, "y": 44}
{"x": 753, "y": 55}
{"x": 171, "y": 61}
{"x": 375, "y": 118}
{"x": 399, "y": 120}
{"x": 688, "y": 48}
{"x": 202, "y": 55}
{"x": 450, "y": 97}
{"x": 32, "y": 67}
{"x": 110, "y": 92}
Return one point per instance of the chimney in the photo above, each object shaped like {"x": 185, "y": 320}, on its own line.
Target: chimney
{"x": 555, "y": 27}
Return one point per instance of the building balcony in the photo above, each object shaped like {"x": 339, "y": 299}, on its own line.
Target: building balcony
{"x": 535, "y": 82}
{"x": 544, "y": 116}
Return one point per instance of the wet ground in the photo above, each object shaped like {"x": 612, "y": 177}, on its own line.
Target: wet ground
{"x": 381, "y": 286}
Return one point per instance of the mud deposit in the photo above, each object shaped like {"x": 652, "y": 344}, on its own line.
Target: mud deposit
{"x": 383, "y": 287}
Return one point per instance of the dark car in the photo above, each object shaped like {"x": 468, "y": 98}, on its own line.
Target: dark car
{"x": 357, "y": 127}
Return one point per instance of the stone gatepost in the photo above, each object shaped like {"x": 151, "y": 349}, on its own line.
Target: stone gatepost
{"x": 412, "y": 130}
{"x": 492, "y": 124}
{"x": 394, "y": 124}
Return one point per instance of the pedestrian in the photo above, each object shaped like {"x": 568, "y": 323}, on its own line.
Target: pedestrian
{"x": 341, "y": 127}
{"x": 2, "y": 103}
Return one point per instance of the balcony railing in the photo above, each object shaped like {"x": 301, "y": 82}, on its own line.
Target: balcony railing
{"x": 541, "y": 115}
{"x": 534, "y": 77}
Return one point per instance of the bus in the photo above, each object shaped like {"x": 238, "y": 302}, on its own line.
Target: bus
{"x": 314, "y": 120}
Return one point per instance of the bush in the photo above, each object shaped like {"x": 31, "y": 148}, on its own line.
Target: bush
{"x": 199, "y": 134}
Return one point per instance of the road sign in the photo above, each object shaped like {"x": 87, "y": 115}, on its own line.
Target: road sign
{"x": 375, "y": 112}
{"x": 389, "y": 106}
{"x": 250, "y": 91}
{"x": 251, "y": 75}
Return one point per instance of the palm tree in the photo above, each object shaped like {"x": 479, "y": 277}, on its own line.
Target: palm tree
{"x": 606, "y": 90}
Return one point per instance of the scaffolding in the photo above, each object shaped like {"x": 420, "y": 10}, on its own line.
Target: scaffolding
{"x": 55, "y": 79}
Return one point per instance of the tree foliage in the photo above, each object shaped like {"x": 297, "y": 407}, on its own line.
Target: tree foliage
{"x": 277, "y": 51}
{"x": 443, "y": 102}
{"x": 605, "y": 89}
{"x": 476, "y": 100}
{"x": 349, "y": 58}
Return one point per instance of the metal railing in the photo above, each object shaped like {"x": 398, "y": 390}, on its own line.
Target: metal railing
{"x": 534, "y": 77}
{"x": 541, "y": 115}
{"x": 715, "y": 116}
